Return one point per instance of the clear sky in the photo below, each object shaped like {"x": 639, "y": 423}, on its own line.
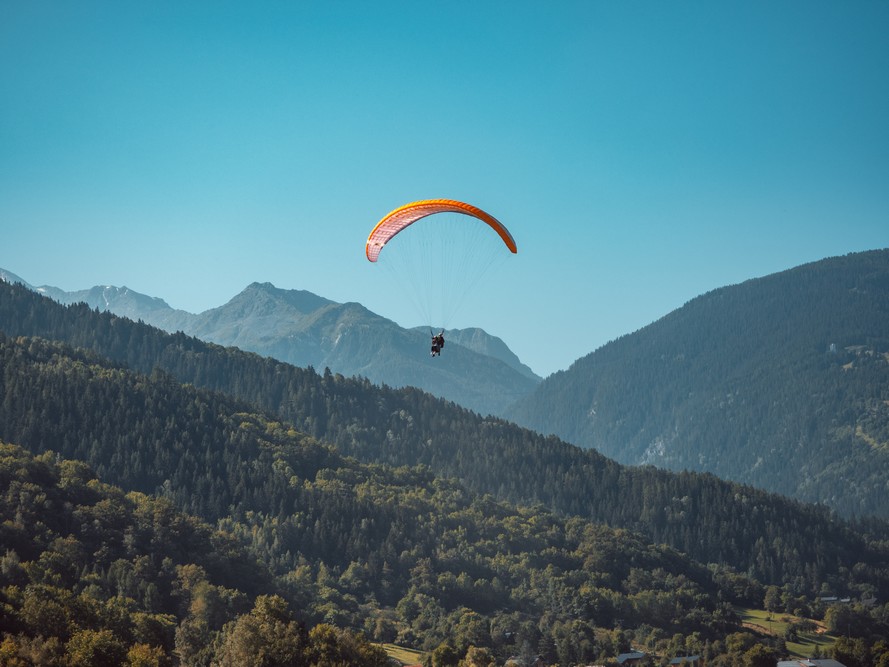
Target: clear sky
{"x": 641, "y": 153}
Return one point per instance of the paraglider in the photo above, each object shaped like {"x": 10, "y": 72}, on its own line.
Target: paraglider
{"x": 439, "y": 260}
{"x": 437, "y": 343}
{"x": 406, "y": 215}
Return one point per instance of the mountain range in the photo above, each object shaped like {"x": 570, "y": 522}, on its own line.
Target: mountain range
{"x": 383, "y": 510}
{"x": 779, "y": 382}
{"x": 714, "y": 521}
{"x": 478, "y": 370}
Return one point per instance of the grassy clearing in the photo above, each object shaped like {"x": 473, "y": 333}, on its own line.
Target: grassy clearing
{"x": 404, "y": 656}
{"x": 810, "y": 643}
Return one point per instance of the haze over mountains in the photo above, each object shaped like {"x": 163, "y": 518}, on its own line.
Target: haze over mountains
{"x": 305, "y": 329}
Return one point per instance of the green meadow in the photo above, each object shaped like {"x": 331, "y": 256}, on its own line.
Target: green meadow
{"x": 808, "y": 643}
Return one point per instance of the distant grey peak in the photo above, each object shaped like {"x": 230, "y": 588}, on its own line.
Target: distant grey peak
{"x": 266, "y": 286}
{"x": 53, "y": 293}
{"x": 10, "y": 277}
{"x": 301, "y": 300}
{"x": 121, "y": 300}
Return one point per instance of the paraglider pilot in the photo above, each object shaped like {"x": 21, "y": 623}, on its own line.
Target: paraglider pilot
{"x": 437, "y": 343}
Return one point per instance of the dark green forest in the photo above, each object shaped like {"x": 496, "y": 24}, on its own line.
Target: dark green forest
{"x": 780, "y": 382}
{"x": 93, "y": 577}
{"x": 237, "y": 525}
{"x": 394, "y": 553}
{"x": 773, "y": 539}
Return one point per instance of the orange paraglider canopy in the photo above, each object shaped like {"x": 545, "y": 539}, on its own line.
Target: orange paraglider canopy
{"x": 408, "y": 214}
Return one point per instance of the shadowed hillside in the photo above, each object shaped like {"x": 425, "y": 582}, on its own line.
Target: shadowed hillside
{"x": 780, "y": 382}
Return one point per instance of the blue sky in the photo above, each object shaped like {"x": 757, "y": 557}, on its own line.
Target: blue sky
{"x": 641, "y": 153}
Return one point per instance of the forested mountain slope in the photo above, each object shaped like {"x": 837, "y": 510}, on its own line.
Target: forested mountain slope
{"x": 778, "y": 541}
{"x": 398, "y": 553}
{"x": 780, "y": 382}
